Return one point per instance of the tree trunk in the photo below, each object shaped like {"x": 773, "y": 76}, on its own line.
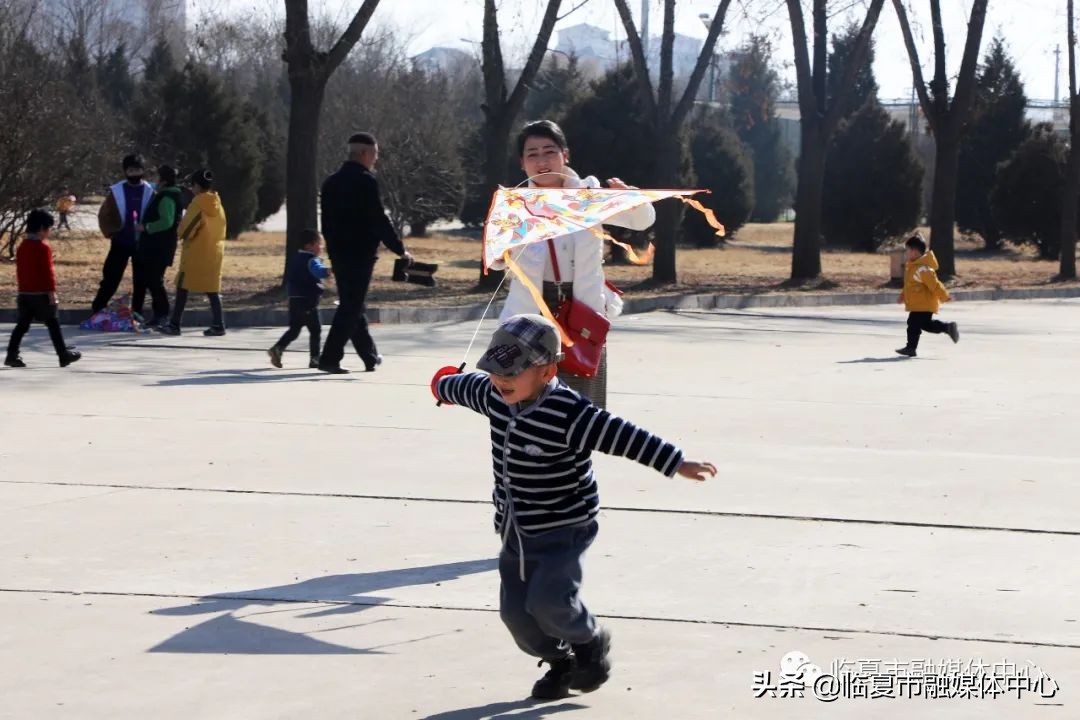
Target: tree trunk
{"x": 943, "y": 202}
{"x": 1070, "y": 193}
{"x": 669, "y": 212}
{"x": 806, "y": 254}
{"x": 301, "y": 184}
{"x": 496, "y": 158}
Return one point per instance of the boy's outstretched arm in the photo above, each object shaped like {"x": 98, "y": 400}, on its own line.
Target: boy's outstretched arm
{"x": 599, "y": 430}
{"x": 452, "y": 387}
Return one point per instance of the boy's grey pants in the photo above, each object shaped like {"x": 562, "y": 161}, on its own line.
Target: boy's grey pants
{"x": 544, "y": 612}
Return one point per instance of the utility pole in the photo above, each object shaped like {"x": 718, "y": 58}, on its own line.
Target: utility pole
{"x": 1057, "y": 74}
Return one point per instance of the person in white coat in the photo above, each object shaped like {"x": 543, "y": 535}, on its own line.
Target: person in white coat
{"x": 545, "y": 158}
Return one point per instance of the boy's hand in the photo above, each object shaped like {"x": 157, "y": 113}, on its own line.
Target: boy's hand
{"x": 53, "y": 299}
{"x": 948, "y": 299}
{"x": 697, "y": 471}
{"x": 619, "y": 184}
{"x": 900, "y": 299}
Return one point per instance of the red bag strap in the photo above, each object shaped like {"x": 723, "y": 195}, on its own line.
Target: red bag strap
{"x": 554, "y": 261}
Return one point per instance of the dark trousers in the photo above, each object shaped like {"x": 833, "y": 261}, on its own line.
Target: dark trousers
{"x": 919, "y": 321}
{"x": 349, "y": 321}
{"x": 148, "y": 273}
{"x": 303, "y": 312}
{"x": 63, "y": 224}
{"x": 112, "y": 273}
{"x": 217, "y": 312}
{"x": 544, "y": 611}
{"x": 36, "y": 308}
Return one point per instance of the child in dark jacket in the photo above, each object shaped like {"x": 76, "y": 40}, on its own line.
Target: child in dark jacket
{"x": 304, "y": 278}
{"x": 37, "y": 291}
{"x": 546, "y": 498}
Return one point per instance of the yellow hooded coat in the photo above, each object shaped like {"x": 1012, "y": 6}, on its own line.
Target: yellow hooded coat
{"x": 202, "y": 232}
{"x": 923, "y": 292}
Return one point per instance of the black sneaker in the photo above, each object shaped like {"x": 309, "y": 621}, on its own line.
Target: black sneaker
{"x": 370, "y": 366}
{"x": 14, "y": 361}
{"x": 69, "y": 357}
{"x": 906, "y": 352}
{"x": 593, "y": 666}
{"x": 168, "y": 329}
{"x": 275, "y": 356}
{"x": 556, "y": 681}
{"x": 214, "y": 331}
{"x": 333, "y": 369}
{"x": 314, "y": 363}
{"x": 954, "y": 332}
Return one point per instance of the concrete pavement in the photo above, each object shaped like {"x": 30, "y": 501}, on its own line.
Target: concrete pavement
{"x": 191, "y": 533}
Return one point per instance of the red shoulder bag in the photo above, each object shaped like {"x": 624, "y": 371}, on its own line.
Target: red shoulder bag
{"x": 585, "y": 327}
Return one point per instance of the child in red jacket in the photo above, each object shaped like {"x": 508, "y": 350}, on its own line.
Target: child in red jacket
{"x": 37, "y": 291}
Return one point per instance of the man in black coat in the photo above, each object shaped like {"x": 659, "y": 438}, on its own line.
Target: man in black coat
{"x": 354, "y": 224}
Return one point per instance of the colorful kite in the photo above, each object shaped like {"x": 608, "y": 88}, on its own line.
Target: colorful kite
{"x": 520, "y": 216}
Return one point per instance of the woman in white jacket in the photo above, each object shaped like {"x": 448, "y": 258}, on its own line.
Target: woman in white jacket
{"x": 544, "y": 157}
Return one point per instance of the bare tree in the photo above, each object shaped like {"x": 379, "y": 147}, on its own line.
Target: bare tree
{"x": 501, "y": 108}
{"x": 309, "y": 69}
{"x": 946, "y": 119}
{"x": 1071, "y": 191}
{"x": 668, "y": 116}
{"x": 819, "y": 116}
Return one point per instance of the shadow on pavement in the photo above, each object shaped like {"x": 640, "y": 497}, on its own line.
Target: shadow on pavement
{"x": 350, "y": 593}
{"x": 531, "y": 710}
{"x": 241, "y": 377}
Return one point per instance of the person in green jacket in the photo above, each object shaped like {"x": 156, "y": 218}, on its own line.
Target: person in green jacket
{"x": 157, "y": 246}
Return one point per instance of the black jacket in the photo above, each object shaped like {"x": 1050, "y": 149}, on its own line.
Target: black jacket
{"x": 353, "y": 220}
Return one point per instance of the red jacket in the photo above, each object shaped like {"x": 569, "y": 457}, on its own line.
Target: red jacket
{"x": 34, "y": 267}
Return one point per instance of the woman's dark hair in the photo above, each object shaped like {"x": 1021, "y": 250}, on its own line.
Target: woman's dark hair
{"x": 916, "y": 241}
{"x": 541, "y": 128}
{"x": 38, "y": 220}
{"x": 203, "y": 178}
{"x": 167, "y": 174}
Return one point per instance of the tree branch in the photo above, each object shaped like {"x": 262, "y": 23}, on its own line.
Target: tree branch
{"x": 492, "y": 62}
{"x": 641, "y": 65}
{"x": 349, "y": 38}
{"x": 821, "y": 58}
{"x": 667, "y": 71}
{"x": 939, "y": 86}
{"x": 965, "y": 84}
{"x": 916, "y": 65}
{"x": 804, "y": 80}
{"x": 858, "y": 59}
{"x": 573, "y": 10}
{"x": 536, "y": 57}
{"x": 716, "y": 27}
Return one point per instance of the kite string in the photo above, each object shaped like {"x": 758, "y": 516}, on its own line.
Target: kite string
{"x": 488, "y": 309}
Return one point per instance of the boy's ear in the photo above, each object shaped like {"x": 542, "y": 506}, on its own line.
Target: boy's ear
{"x": 550, "y": 371}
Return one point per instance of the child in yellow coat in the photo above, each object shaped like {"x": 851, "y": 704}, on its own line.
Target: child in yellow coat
{"x": 922, "y": 296}
{"x": 202, "y": 232}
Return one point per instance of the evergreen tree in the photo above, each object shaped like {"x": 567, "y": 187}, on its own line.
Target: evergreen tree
{"x": 998, "y": 126}
{"x": 114, "y": 78}
{"x": 1026, "y": 199}
{"x": 866, "y": 87}
{"x": 873, "y": 181}
{"x": 722, "y": 164}
{"x": 753, "y": 86}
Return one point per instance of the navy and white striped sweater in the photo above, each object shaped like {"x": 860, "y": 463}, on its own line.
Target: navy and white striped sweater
{"x": 541, "y": 453}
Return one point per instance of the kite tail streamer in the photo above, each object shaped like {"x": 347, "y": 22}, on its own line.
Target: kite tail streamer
{"x": 537, "y": 296}
{"x": 646, "y": 256}
{"x": 710, "y": 217}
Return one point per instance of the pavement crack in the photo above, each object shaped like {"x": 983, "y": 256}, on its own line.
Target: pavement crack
{"x": 610, "y": 616}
